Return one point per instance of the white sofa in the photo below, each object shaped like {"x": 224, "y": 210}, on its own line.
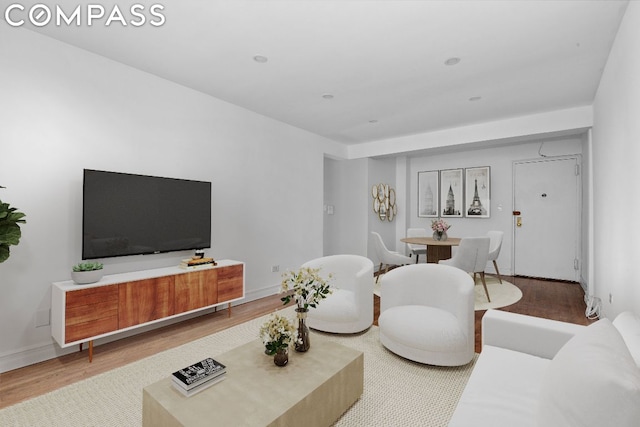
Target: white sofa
{"x": 539, "y": 372}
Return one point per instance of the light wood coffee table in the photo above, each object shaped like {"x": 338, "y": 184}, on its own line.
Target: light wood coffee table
{"x": 314, "y": 389}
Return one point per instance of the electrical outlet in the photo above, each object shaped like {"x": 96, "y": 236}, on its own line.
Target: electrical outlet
{"x": 275, "y": 268}
{"x": 43, "y": 318}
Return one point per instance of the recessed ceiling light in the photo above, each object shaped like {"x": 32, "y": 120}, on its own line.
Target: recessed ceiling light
{"x": 475, "y": 98}
{"x": 452, "y": 61}
{"x": 260, "y": 58}
{"x": 327, "y": 96}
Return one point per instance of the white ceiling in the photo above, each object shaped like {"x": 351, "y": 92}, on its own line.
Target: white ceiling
{"x": 382, "y": 61}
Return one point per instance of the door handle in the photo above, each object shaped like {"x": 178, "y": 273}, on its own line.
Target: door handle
{"x": 519, "y": 221}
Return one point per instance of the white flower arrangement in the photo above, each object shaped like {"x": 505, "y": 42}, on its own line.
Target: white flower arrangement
{"x": 307, "y": 285}
{"x": 277, "y": 333}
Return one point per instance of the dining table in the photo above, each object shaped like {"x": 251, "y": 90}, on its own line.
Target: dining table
{"x": 436, "y": 249}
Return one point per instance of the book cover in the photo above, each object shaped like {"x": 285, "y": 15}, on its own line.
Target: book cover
{"x": 199, "y": 372}
{"x": 199, "y": 388}
{"x": 197, "y": 383}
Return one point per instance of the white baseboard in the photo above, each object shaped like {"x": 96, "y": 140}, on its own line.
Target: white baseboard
{"x": 39, "y": 353}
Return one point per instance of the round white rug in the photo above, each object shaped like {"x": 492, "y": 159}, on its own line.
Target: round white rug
{"x": 502, "y": 294}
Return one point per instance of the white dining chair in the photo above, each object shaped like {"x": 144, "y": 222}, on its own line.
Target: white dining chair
{"x": 494, "y": 249}
{"x": 417, "y": 250}
{"x": 387, "y": 258}
{"x": 471, "y": 256}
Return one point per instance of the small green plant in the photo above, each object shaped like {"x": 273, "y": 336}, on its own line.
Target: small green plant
{"x": 87, "y": 266}
{"x": 10, "y": 232}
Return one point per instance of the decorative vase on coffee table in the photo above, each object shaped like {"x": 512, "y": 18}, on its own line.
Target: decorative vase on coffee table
{"x": 303, "y": 342}
{"x": 281, "y": 358}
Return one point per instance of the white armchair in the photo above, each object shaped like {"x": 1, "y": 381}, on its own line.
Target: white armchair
{"x": 349, "y": 309}
{"x": 427, "y": 314}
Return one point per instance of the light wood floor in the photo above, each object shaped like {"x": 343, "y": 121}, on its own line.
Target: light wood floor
{"x": 549, "y": 299}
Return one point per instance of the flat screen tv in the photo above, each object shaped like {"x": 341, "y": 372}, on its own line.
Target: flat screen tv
{"x": 126, "y": 214}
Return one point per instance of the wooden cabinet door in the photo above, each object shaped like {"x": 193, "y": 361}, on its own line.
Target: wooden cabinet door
{"x": 196, "y": 289}
{"x": 230, "y": 282}
{"x": 90, "y": 312}
{"x": 142, "y": 301}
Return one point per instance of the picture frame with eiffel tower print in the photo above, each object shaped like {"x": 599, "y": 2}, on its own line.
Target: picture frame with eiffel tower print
{"x": 451, "y": 193}
{"x": 477, "y": 199}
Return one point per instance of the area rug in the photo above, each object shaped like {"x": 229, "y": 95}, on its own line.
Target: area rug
{"x": 396, "y": 391}
{"x": 502, "y": 294}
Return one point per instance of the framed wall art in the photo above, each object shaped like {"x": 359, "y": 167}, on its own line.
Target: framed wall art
{"x": 451, "y": 193}
{"x": 428, "y": 194}
{"x": 478, "y": 192}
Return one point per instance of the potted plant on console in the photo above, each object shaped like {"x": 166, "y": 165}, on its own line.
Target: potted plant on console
{"x": 87, "y": 272}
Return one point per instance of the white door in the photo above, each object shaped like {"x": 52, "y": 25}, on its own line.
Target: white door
{"x": 546, "y": 218}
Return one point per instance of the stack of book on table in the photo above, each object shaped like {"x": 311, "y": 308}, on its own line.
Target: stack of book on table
{"x": 195, "y": 263}
{"x": 199, "y": 376}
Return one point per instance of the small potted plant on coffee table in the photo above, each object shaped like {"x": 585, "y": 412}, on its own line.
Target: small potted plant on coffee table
{"x": 277, "y": 334}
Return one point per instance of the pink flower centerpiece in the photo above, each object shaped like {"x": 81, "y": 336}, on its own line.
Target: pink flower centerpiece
{"x": 439, "y": 227}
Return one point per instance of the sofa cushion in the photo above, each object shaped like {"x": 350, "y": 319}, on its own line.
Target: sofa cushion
{"x": 628, "y": 324}
{"x": 591, "y": 382}
{"x": 424, "y": 328}
{"x": 503, "y": 390}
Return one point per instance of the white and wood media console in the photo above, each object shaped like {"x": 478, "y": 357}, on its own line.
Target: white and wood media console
{"x": 126, "y": 301}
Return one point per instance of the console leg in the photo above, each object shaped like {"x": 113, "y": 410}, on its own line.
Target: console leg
{"x": 90, "y": 351}
{"x": 229, "y": 310}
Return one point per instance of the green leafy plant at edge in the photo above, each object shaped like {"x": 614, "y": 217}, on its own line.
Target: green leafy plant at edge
{"x": 10, "y": 232}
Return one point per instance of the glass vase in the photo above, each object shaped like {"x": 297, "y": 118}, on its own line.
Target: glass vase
{"x": 303, "y": 342}
{"x": 440, "y": 235}
{"x": 281, "y": 358}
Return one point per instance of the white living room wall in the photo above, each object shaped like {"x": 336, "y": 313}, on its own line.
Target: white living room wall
{"x": 347, "y": 197}
{"x": 500, "y": 160}
{"x": 616, "y": 155}
{"x": 64, "y": 109}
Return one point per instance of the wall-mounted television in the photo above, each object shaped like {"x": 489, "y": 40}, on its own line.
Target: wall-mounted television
{"x": 127, "y": 214}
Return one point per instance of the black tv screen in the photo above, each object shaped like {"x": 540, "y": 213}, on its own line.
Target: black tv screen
{"x": 127, "y": 214}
